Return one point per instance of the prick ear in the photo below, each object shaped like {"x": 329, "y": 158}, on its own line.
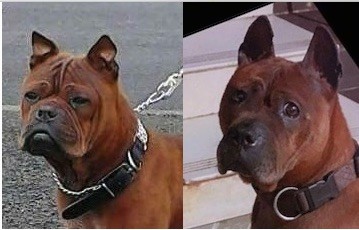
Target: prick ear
{"x": 258, "y": 42}
{"x": 322, "y": 56}
{"x": 42, "y": 48}
{"x": 102, "y": 55}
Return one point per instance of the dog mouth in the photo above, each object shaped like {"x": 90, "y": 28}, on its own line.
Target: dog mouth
{"x": 257, "y": 167}
{"x": 235, "y": 166}
{"x": 41, "y": 143}
{"x": 238, "y": 168}
{"x": 228, "y": 160}
{"x": 260, "y": 180}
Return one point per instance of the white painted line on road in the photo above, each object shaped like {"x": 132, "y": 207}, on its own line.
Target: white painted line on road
{"x": 16, "y": 108}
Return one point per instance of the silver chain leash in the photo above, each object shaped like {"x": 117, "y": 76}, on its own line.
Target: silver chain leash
{"x": 141, "y": 134}
{"x": 74, "y": 193}
{"x": 163, "y": 91}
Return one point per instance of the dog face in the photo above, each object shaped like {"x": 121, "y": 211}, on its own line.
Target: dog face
{"x": 69, "y": 105}
{"x": 275, "y": 113}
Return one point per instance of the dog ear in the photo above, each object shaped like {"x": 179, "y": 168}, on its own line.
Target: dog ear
{"x": 258, "y": 42}
{"x": 322, "y": 56}
{"x": 102, "y": 55}
{"x": 42, "y": 48}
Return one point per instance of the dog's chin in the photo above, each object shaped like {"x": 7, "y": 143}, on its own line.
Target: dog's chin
{"x": 264, "y": 183}
{"x": 263, "y": 186}
{"x": 42, "y": 144}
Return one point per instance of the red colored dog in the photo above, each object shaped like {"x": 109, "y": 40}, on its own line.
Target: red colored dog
{"x": 284, "y": 133}
{"x": 111, "y": 172}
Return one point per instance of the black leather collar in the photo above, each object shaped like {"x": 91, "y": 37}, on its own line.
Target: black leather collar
{"x": 291, "y": 202}
{"x": 112, "y": 184}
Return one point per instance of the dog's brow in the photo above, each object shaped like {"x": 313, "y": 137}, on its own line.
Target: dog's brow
{"x": 64, "y": 66}
{"x": 38, "y": 85}
{"x": 258, "y": 81}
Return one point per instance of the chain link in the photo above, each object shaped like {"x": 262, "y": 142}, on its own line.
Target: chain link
{"x": 163, "y": 91}
{"x": 141, "y": 133}
{"x": 74, "y": 193}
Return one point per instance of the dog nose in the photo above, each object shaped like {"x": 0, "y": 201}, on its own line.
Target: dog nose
{"x": 248, "y": 135}
{"x": 249, "y": 139}
{"x": 46, "y": 113}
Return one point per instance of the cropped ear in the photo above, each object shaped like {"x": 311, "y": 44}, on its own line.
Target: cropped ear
{"x": 42, "y": 48}
{"x": 258, "y": 42}
{"x": 102, "y": 55}
{"x": 322, "y": 56}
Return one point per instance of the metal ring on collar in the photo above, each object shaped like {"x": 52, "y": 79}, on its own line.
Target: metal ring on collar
{"x": 275, "y": 205}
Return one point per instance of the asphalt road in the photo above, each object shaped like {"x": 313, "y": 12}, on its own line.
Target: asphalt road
{"x": 28, "y": 190}
{"x": 149, "y": 37}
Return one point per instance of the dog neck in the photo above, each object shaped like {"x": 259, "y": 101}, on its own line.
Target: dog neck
{"x": 337, "y": 168}
{"x": 340, "y": 147}
{"x": 103, "y": 156}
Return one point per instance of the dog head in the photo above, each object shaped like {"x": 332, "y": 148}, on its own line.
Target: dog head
{"x": 71, "y": 105}
{"x": 274, "y": 113}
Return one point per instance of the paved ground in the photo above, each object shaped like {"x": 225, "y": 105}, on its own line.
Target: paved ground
{"x": 28, "y": 188}
{"x": 149, "y": 37}
{"x": 150, "y": 40}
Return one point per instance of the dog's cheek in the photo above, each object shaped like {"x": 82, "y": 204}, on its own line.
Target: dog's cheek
{"x": 25, "y": 111}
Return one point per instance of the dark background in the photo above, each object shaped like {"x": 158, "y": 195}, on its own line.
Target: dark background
{"x": 341, "y": 17}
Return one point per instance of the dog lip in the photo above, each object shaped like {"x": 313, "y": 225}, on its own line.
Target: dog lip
{"x": 221, "y": 169}
{"x": 268, "y": 187}
{"x": 234, "y": 166}
{"x": 240, "y": 168}
{"x": 30, "y": 134}
{"x": 246, "y": 175}
{"x": 42, "y": 136}
{"x": 40, "y": 142}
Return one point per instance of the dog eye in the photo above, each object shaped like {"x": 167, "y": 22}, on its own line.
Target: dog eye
{"x": 291, "y": 110}
{"x": 78, "y": 101}
{"x": 239, "y": 96}
{"x": 31, "y": 97}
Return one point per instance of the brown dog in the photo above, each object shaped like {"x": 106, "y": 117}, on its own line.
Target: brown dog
{"x": 284, "y": 133}
{"x": 75, "y": 115}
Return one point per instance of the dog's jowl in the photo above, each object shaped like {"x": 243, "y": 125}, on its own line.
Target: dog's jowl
{"x": 285, "y": 134}
{"x": 111, "y": 171}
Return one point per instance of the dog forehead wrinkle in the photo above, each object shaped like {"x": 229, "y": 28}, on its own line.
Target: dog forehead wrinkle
{"x": 282, "y": 82}
{"x": 266, "y": 78}
{"x": 76, "y": 73}
{"x": 51, "y": 71}
{"x": 258, "y": 81}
